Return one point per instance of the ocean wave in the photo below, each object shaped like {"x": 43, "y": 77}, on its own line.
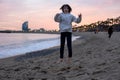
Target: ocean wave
{"x": 29, "y": 46}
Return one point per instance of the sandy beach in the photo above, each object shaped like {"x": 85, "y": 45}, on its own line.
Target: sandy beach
{"x": 95, "y": 57}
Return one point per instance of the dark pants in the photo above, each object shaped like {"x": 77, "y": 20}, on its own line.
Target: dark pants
{"x": 64, "y": 36}
{"x": 110, "y": 34}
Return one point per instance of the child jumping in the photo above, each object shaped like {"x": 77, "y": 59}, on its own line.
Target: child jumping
{"x": 65, "y": 20}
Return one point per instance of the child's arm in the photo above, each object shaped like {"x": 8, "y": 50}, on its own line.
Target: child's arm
{"x": 57, "y": 17}
{"x": 77, "y": 20}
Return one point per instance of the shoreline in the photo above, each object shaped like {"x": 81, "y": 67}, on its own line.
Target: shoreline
{"x": 21, "y": 44}
{"x": 36, "y": 50}
{"x": 94, "y": 58}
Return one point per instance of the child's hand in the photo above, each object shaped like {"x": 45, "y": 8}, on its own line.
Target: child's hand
{"x": 57, "y": 14}
{"x": 80, "y": 15}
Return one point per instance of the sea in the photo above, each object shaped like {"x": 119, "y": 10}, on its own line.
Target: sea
{"x": 12, "y": 44}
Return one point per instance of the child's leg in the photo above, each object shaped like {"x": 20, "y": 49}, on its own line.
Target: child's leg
{"x": 69, "y": 44}
{"x": 62, "y": 43}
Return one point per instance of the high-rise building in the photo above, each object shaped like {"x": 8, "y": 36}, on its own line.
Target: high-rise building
{"x": 25, "y": 26}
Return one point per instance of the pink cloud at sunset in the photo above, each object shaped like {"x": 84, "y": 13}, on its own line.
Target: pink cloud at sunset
{"x": 40, "y": 13}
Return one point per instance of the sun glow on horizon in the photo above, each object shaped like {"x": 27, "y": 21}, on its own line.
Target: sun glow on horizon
{"x": 40, "y": 13}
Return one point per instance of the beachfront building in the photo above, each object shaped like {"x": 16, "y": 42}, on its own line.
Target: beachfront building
{"x": 25, "y": 26}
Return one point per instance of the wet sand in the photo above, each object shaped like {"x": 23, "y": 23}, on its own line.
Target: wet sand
{"x": 95, "y": 57}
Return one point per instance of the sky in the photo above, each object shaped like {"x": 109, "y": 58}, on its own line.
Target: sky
{"x": 40, "y": 13}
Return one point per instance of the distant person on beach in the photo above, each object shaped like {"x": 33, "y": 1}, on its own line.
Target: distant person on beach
{"x": 65, "y": 20}
{"x": 96, "y": 31}
{"x": 110, "y": 31}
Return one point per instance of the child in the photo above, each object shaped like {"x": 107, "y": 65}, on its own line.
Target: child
{"x": 65, "y": 20}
